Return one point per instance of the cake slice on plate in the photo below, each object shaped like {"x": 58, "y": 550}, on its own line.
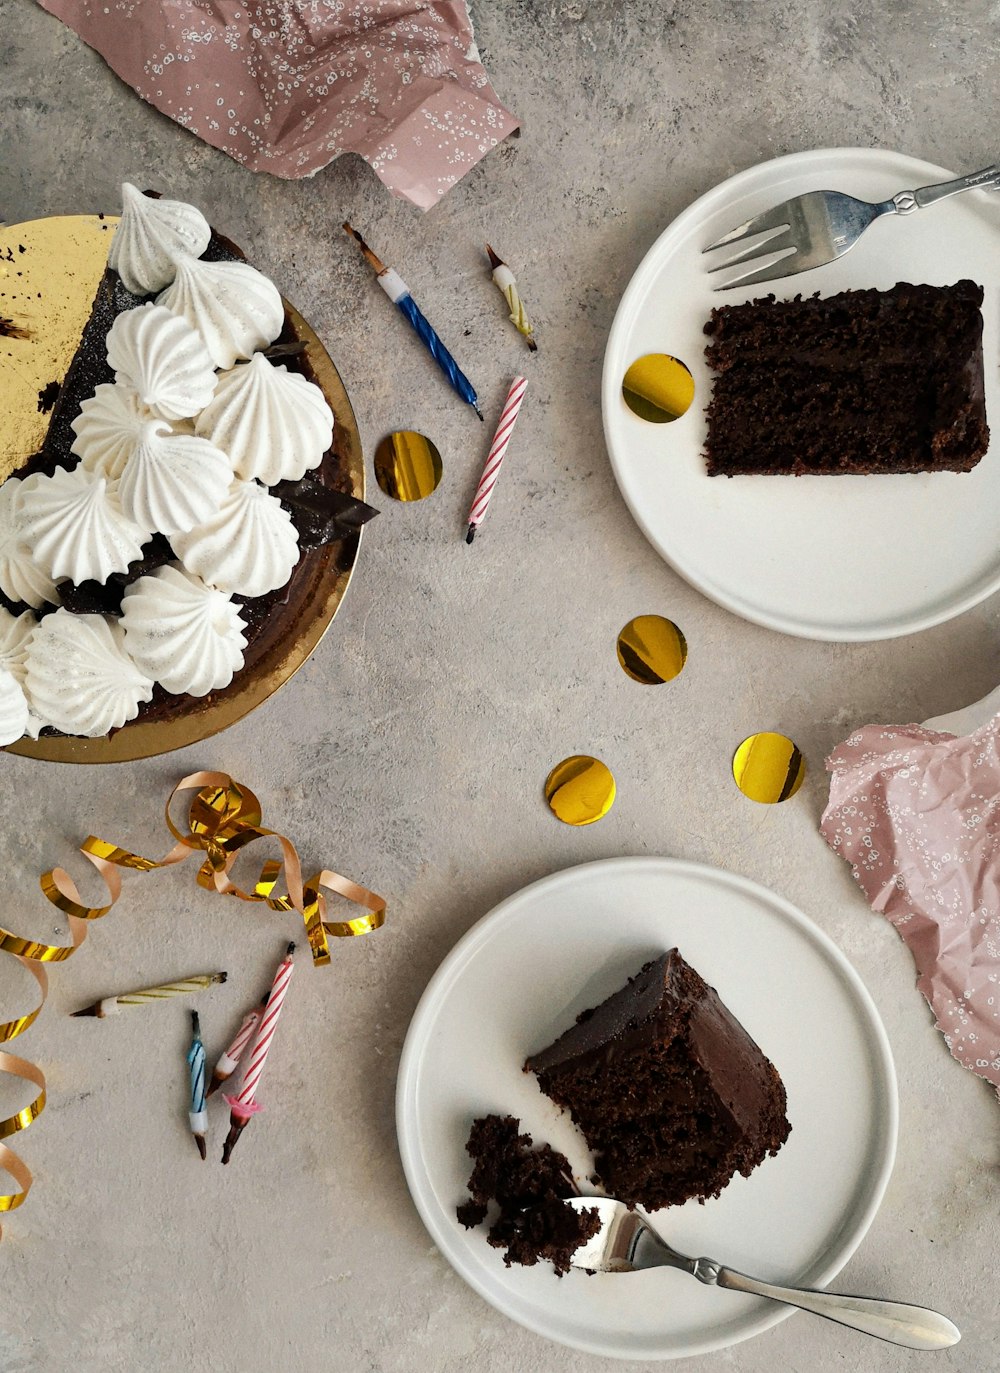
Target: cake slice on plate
{"x": 669, "y": 1090}
{"x": 861, "y": 382}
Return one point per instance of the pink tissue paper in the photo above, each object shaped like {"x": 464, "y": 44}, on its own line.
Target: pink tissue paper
{"x": 285, "y": 86}
{"x": 916, "y": 813}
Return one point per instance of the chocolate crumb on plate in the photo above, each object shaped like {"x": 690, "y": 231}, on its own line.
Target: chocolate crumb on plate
{"x": 529, "y": 1185}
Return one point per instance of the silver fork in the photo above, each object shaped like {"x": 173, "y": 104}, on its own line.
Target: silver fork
{"x": 820, "y": 226}
{"x": 626, "y": 1243}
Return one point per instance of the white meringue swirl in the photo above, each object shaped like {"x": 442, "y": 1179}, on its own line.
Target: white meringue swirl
{"x": 107, "y": 429}
{"x": 20, "y": 576}
{"x": 172, "y": 481}
{"x": 234, "y": 308}
{"x": 13, "y": 708}
{"x": 184, "y": 634}
{"x": 248, "y": 547}
{"x": 79, "y": 677}
{"x": 163, "y": 360}
{"x": 150, "y": 236}
{"x": 74, "y": 523}
{"x": 15, "y": 631}
{"x": 274, "y": 424}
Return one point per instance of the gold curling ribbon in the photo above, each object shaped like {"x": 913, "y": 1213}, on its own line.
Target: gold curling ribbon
{"x": 224, "y": 817}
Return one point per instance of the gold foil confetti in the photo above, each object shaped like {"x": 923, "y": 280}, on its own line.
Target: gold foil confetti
{"x": 651, "y": 649}
{"x": 658, "y": 388}
{"x": 407, "y": 465}
{"x": 768, "y": 768}
{"x": 223, "y": 818}
{"x": 580, "y": 790}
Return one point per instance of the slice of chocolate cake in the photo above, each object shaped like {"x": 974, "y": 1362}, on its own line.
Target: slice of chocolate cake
{"x": 669, "y": 1090}
{"x": 860, "y": 382}
{"x": 528, "y": 1185}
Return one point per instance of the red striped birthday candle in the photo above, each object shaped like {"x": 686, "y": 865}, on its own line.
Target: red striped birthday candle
{"x": 498, "y": 450}
{"x": 245, "y": 1103}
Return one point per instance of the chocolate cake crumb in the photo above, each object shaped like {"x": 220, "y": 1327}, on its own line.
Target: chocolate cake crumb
{"x": 862, "y": 382}
{"x": 669, "y": 1090}
{"x": 529, "y": 1186}
{"x": 48, "y": 396}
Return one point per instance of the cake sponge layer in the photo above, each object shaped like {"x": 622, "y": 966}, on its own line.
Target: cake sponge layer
{"x": 861, "y": 382}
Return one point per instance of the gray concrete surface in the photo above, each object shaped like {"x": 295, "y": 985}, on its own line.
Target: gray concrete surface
{"x": 411, "y": 750}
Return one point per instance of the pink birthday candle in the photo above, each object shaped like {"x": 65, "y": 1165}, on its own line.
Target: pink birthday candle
{"x": 498, "y": 450}
{"x": 229, "y": 1058}
{"x": 245, "y": 1103}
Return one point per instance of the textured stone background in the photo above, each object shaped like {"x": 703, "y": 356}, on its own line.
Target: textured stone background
{"x": 411, "y": 750}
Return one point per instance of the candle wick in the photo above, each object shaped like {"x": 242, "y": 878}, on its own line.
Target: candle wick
{"x": 471, "y": 534}
{"x": 374, "y": 262}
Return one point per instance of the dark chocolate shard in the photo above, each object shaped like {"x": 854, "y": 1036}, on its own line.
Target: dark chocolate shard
{"x": 320, "y": 514}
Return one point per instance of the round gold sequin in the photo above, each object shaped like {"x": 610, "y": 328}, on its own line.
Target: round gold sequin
{"x": 768, "y": 768}
{"x": 580, "y": 790}
{"x": 658, "y": 388}
{"x": 651, "y": 649}
{"x": 407, "y": 465}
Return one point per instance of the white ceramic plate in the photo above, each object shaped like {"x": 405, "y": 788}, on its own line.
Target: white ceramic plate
{"x": 521, "y": 976}
{"x": 841, "y": 558}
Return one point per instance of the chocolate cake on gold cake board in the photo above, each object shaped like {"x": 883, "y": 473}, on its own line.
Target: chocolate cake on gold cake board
{"x": 50, "y": 271}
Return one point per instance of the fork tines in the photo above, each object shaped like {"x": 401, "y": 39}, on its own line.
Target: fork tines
{"x": 767, "y": 241}
{"x": 775, "y": 219}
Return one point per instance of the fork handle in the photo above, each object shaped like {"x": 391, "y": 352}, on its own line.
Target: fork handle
{"x": 908, "y": 201}
{"x": 912, "y": 1326}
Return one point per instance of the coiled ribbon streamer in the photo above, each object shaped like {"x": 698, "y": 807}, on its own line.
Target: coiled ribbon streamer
{"x": 224, "y": 817}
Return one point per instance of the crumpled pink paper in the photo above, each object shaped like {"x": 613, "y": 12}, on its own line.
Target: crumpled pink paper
{"x": 285, "y": 86}
{"x": 916, "y": 813}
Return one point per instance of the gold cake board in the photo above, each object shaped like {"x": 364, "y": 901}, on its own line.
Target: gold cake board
{"x": 49, "y": 273}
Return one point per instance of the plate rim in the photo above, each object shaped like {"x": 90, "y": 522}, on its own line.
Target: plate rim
{"x": 796, "y": 627}
{"x": 421, "y": 1023}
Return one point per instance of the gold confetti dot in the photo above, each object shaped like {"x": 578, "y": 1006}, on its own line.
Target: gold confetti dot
{"x": 407, "y": 465}
{"x": 658, "y": 388}
{"x": 651, "y": 649}
{"x": 768, "y": 768}
{"x": 580, "y": 790}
